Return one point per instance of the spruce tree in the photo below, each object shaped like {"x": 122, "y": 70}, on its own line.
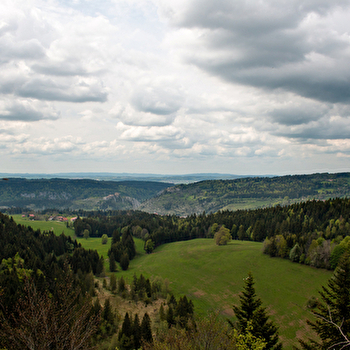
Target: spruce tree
{"x": 146, "y": 331}
{"x": 332, "y": 323}
{"x": 108, "y": 317}
{"x": 112, "y": 263}
{"x": 137, "y": 332}
{"x": 113, "y": 283}
{"x": 251, "y": 313}
{"x": 125, "y": 334}
{"x": 124, "y": 261}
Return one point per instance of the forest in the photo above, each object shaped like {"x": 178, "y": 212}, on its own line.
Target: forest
{"x": 52, "y": 281}
{"x": 313, "y": 232}
{"x": 90, "y": 194}
{"x": 167, "y": 199}
{"x": 252, "y": 192}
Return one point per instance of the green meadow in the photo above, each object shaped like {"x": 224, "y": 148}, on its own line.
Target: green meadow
{"x": 55, "y": 226}
{"x": 213, "y": 276}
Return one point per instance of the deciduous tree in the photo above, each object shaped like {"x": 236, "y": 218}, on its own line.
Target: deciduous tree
{"x": 223, "y": 236}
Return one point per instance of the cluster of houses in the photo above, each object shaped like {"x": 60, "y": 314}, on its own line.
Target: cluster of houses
{"x": 61, "y": 218}
{"x": 52, "y": 218}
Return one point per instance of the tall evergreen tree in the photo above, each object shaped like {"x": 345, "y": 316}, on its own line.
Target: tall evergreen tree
{"x": 137, "y": 332}
{"x": 124, "y": 262}
{"x": 332, "y": 323}
{"x": 125, "y": 334}
{"x": 146, "y": 331}
{"x": 112, "y": 263}
{"x": 251, "y": 312}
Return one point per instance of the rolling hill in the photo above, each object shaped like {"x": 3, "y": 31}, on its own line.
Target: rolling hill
{"x": 87, "y": 194}
{"x": 247, "y": 193}
{"x": 213, "y": 276}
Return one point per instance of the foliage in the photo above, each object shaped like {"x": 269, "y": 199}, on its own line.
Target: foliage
{"x": 133, "y": 334}
{"x": 209, "y": 333}
{"x": 223, "y": 236}
{"x": 86, "y": 234}
{"x": 42, "y": 322}
{"x": 77, "y": 193}
{"x": 104, "y": 239}
{"x": 211, "y": 196}
{"x": 113, "y": 282}
{"x": 149, "y": 246}
{"x": 252, "y": 317}
{"x": 124, "y": 261}
{"x": 332, "y": 314}
{"x": 314, "y": 229}
{"x": 45, "y": 284}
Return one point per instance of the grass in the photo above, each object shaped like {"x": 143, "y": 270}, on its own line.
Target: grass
{"x": 212, "y": 277}
{"x": 55, "y": 226}
{"x": 102, "y": 249}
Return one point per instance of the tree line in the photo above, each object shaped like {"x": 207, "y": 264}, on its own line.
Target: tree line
{"x": 46, "y": 283}
{"x": 313, "y": 232}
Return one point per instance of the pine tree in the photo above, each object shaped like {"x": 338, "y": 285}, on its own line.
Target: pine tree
{"x": 125, "y": 334}
{"x": 124, "y": 261}
{"x": 162, "y": 313}
{"x": 146, "y": 331}
{"x": 332, "y": 323}
{"x": 137, "y": 332}
{"x": 170, "y": 318}
{"x": 108, "y": 317}
{"x": 112, "y": 263}
{"x": 113, "y": 283}
{"x": 252, "y": 313}
{"x": 121, "y": 285}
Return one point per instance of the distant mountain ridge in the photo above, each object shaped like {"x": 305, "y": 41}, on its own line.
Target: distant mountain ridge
{"x": 165, "y": 198}
{"x": 171, "y": 178}
{"x": 38, "y": 194}
{"x": 247, "y": 193}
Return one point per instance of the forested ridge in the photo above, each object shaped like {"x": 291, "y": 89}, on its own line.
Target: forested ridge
{"x": 252, "y": 192}
{"x": 311, "y": 232}
{"x": 76, "y": 193}
{"x": 164, "y": 198}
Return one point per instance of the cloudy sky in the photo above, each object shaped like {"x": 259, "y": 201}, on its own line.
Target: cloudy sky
{"x": 175, "y": 87}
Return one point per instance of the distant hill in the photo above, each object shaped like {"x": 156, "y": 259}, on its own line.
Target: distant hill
{"x": 76, "y": 193}
{"x": 247, "y": 193}
{"x": 173, "y": 179}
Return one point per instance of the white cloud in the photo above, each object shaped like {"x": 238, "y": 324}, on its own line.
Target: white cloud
{"x": 149, "y": 84}
{"x": 26, "y": 110}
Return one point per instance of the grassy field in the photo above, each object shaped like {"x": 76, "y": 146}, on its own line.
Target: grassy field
{"x": 102, "y": 249}
{"x": 213, "y": 276}
{"x": 55, "y": 226}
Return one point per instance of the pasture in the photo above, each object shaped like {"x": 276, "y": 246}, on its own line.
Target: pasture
{"x": 212, "y": 276}
{"x": 55, "y": 226}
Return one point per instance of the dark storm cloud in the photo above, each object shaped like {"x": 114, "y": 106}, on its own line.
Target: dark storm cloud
{"x": 293, "y": 114}
{"x": 287, "y": 45}
{"x": 331, "y": 128}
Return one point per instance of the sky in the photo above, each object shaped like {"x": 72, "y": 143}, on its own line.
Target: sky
{"x": 175, "y": 87}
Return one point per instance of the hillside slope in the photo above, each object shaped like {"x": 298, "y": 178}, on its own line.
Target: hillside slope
{"x": 76, "y": 194}
{"x": 247, "y": 193}
{"x": 212, "y": 277}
